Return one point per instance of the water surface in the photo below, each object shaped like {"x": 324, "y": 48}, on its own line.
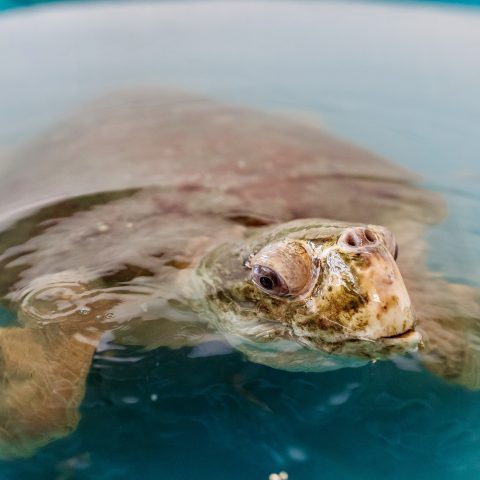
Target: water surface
{"x": 403, "y": 80}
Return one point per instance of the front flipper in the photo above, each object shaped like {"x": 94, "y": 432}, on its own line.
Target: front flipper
{"x": 43, "y": 373}
{"x": 44, "y": 365}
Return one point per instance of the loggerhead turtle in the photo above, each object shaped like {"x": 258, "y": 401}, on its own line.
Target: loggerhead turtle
{"x": 163, "y": 219}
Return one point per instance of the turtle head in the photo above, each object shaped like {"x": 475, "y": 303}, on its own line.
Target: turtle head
{"x": 311, "y": 295}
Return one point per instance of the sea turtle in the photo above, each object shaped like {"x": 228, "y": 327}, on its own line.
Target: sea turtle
{"x": 159, "y": 218}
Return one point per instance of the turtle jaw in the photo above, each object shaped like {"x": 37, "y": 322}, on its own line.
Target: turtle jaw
{"x": 368, "y": 349}
{"x": 408, "y": 341}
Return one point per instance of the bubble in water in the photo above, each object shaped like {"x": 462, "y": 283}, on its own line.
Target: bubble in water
{"x": 297, "y": 454}
{"x": 278, "y": 476}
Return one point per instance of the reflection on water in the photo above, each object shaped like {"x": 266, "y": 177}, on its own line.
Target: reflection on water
{"x": 203, "y": 410}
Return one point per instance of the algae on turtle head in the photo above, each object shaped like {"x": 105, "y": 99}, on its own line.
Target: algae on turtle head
{"x": 310, "y": 295}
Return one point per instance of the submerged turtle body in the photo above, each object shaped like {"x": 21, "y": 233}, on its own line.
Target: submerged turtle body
{"x": 163, "y": 219}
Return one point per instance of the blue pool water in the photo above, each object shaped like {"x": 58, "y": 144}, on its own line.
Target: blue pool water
{"x": 403, "y": 80}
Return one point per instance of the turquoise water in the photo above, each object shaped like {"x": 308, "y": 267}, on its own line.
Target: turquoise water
{"x": 403, "y": 80}
{"x": 220, "y": 417}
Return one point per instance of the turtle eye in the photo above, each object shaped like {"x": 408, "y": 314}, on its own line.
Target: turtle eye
{"x": 395, "y": 254}
{"x": 269, "y": 280}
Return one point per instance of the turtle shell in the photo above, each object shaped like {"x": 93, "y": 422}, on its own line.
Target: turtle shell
{"x": 271, "y": 165}
{"x": 95, "y": 191}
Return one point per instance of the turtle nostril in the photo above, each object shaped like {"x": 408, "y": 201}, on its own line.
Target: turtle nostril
{"x": 359, "y": 237}
{"x": 369, "y": 235}
{"x": 352, "y": 239}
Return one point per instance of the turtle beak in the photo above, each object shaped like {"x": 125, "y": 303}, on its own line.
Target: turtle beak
{"x": 408, "y": 341}
{"x": 388, "y": 308}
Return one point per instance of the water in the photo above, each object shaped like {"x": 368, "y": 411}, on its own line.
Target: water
{"x": 402, "y": 80}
